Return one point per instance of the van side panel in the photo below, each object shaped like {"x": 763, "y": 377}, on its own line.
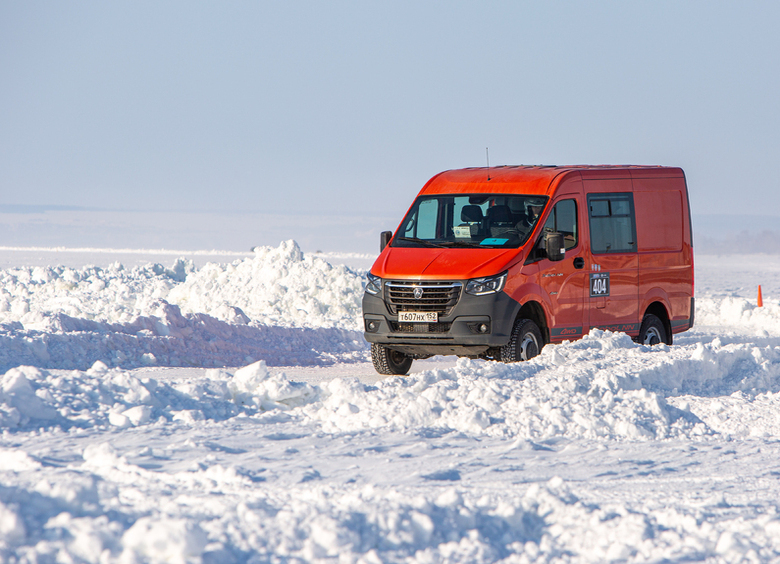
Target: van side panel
{"x": 664, "y": 251}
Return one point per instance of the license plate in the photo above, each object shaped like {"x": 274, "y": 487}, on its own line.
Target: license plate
{"x": 418, "y": 317}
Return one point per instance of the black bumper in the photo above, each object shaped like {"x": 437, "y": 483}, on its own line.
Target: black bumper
{"x": 457, "y": 333}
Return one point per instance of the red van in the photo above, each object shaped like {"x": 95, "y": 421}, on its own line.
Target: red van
{"x": 495, "y": 263}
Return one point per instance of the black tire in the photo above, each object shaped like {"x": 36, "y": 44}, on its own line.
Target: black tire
{"x": 525, "y": 343}
{"x": 652, "y": 331}
{"x": 388, "y": 361}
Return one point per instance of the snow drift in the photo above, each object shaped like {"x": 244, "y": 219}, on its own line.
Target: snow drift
{"x": 597, "y": 450}
{"x": 279, "y": 306}
{"x": 279, "y": 286}
{"x": 601, "y": 387}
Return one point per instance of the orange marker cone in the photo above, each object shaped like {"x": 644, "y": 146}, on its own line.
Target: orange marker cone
{"x": 760, "y": 299}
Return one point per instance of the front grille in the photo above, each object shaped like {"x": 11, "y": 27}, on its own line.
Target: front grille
{"x": 420, "y": 327}
{"x": 440, "y": 297}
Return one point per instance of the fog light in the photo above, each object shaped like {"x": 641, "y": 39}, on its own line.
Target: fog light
{"x": 479, "y": 328}
{"x": 372, "y": 325}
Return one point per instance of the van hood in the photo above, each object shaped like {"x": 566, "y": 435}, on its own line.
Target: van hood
{"x": 443, "y": 264}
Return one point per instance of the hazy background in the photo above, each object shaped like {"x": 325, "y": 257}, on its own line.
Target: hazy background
{"x": 225, "y": 125}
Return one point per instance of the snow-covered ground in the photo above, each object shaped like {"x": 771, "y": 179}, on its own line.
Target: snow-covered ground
{"x": 228, "y": 412}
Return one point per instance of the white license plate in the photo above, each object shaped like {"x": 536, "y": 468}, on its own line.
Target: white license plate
{"x": 418, "y": 317}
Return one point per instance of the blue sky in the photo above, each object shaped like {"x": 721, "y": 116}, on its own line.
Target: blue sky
{"x": 349, "y": 107}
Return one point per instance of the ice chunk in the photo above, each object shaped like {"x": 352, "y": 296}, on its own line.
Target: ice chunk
{"x": 163, "y": 540}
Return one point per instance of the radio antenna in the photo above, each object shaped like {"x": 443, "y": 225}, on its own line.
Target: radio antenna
{"x": 487, "y": 156}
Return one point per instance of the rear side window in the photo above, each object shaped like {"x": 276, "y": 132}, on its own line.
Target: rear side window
{"x": 612, "y": 223}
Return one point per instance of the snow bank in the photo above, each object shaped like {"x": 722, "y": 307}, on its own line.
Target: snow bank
{"x": 99, "y": 505}
{"x": 32, "y": 398}
{"x": 739, "y": 313}
{"x": 278, "y": 305}
{"x": 589, "y": 388}
{"x": 279, "y": 286}
{"x": 603, "y": 386}
{"x": 31, "y": 296}
{"x": 168, "y": 338}
{"x": 574, "y": 390}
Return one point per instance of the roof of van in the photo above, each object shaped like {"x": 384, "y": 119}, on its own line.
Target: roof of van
{"x": 525, "y": 179}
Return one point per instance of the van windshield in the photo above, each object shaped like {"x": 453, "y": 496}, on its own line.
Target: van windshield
{"x": 471, "y": 221}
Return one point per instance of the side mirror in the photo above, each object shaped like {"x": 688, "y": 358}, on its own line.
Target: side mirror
{"x": 384, "y": 239}
{"x": 554, "y": 246}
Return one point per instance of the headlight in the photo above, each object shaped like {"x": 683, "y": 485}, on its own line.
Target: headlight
{"x": 489, "y": 285}
{"x": 374, "y": 284}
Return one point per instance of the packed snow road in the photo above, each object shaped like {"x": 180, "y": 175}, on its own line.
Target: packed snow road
{"x": 117, "y": 447}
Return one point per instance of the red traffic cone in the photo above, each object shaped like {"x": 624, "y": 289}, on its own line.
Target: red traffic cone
{"x": 760, "y": 299}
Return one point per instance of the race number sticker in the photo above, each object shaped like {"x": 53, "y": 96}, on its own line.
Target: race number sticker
{"x": 599, "y": 284}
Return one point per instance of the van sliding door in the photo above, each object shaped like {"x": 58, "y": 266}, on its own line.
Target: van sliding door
{"x": 612, "y": 297}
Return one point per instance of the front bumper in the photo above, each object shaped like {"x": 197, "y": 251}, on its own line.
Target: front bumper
{"x": 456, "y": 333}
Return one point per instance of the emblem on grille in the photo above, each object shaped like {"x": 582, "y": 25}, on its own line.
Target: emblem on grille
{"x": 418, "y": 292}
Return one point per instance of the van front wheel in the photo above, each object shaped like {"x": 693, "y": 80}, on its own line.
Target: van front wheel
{"x": 388, "y": 361}
{"x": 525, "y": 343}
{"x": 652, "y": 331}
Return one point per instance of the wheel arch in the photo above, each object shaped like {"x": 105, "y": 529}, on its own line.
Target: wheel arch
{"x": 658, "y": 309}
{"x": 534, "y": 311}
{"x": 535, "y": 305}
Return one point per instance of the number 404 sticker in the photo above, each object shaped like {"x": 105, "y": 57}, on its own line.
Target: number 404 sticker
{"x": 599, "y": 284}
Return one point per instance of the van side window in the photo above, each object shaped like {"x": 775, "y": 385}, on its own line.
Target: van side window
{"x": 563, "y": 220}
{"x": 612, "y": 223}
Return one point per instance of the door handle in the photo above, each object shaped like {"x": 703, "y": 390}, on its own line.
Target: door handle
{"x": 579, "y": 262}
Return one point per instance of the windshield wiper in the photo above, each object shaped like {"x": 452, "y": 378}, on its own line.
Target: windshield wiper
{"x": 460, "y": 244}
{"x": 424, "y": 242}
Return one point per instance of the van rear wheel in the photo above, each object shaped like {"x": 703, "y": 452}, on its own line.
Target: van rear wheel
{"x": 652, "y": 331}
{"x": 387, "y": 361}
{"x": 525, "y": 343}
